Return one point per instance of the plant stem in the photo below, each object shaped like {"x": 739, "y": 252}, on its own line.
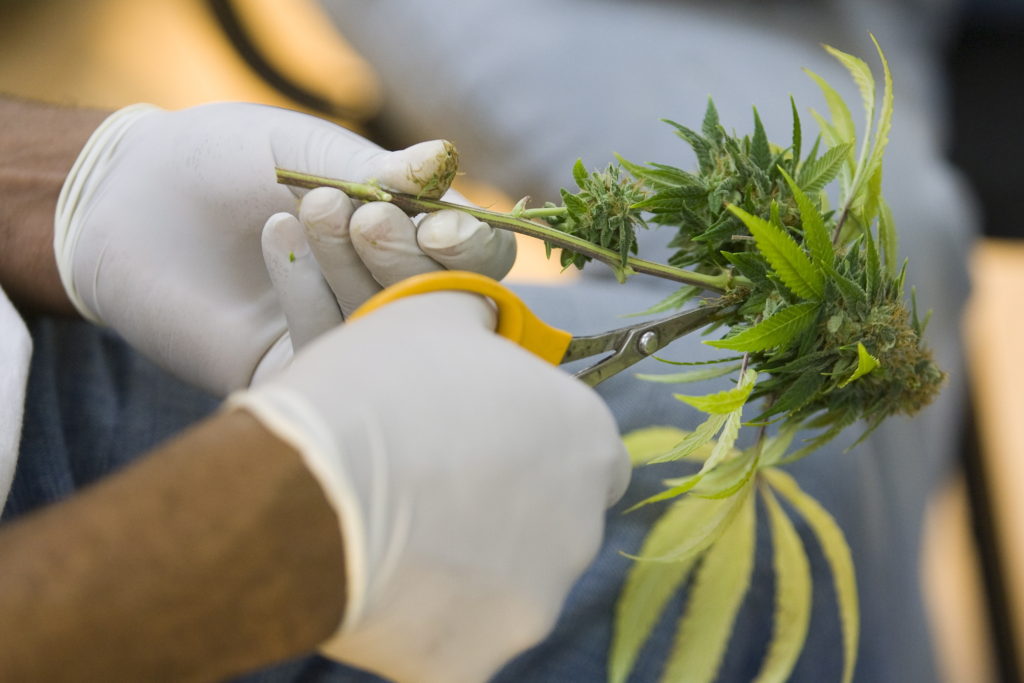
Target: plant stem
{"x": 413, "y": 205}
{"x": 543, "y": 212}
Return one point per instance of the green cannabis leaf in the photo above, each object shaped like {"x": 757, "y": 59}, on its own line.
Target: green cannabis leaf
{"x": 812, "y": 297}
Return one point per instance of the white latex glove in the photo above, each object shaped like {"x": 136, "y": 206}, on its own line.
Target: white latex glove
{"x": 158, "y": 233}
{"x": 470, "y": 481}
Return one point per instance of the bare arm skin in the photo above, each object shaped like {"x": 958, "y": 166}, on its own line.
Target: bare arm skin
{"x": 214, "y": 555}
{"x": 38, "y": 145}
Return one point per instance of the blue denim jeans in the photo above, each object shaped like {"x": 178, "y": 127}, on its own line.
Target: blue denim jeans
{"x": 93, "y": 405}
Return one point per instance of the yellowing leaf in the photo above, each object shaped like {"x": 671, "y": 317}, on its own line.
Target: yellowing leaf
{"x": 695, "y": 524}
{"x": 726, "y": 440}
{"x": 729, "y": 477}
{"x": 837, "y": 554}
{"x": 650, "y": 442}
{"x": 679, "y": 486}
{"x": 723, "y": 402}
{"x": 842, "y": 121}
{"x": 718, "y": 589}
{"x": 693, "y": 442}
{"x": 786, "y": 257}
{"x": 792, "y": 596}
{"x": 884, "y": 116}
{"x": 646, "y": 591}
{"x": 777, "y": 330}
{"x": 861, "y": 73}
{"x": 723, "y": 448}
{"x": 865, "y": 364}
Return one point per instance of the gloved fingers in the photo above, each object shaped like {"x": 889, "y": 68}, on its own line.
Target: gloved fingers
{"x": 325, "y": 214}
{"x": 458, "y": 241}
{"x": 308, "y": 303}
{"x": 425, "y": 169}
{"x": 385, "y": 239}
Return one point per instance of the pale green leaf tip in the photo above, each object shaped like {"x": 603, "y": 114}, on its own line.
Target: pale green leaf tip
{"x": 865, "y": 364}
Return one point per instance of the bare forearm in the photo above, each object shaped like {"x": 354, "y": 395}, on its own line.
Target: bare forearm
{"x": 214, "y": 555}
{"x": 38, "y": 145}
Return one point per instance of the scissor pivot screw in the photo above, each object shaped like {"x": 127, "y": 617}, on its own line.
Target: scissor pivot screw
{"x": 648, "y": 343}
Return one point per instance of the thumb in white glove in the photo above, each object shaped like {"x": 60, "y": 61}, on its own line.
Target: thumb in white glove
{"x": 470, "y": 481}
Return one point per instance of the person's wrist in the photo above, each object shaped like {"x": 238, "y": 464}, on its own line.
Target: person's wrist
{"x": 293, "y": 420}
{"x": 38, "y": 144}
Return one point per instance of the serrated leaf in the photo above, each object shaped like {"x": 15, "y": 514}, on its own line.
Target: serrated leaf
{"x": 816, "y": 174}
{"x": 697, "y": 143}
{"x": 792, "y": 595}
{"x": 723, "y": 402}
{"x": 777, "y": 330}
{"x": 837, "y": 553}
{"x": 690, "y": 376}
{"x": 749, "y": 264}
{"x": 650, "y": 442}
{"x": 719, "y": 586}
{"x": 726, "y": 441}
{"x": 710, "y": 125}
{"x": 694, "y": 440}
{"x": 861, "y": 73}
{"x": 842, "y": 121}
{"x": 676, "y": 488}
{"x": 789, "y": 262}
{"x": 797, "y": 134}
{"x": 722, "y": 449}
{"x": 760, "y": 151}
{"x": 852, "y": 292}
{"x": 727, "y": 478}
{"x": 865, "y": 364}
{"x": 884, "y": 116}
{"x": 776, "y": 446}
{"x": 670, "y": 199}
{"x": 699, "y": 524}
{"x": 645, "y": 593}
{"x": 816, "y": 236}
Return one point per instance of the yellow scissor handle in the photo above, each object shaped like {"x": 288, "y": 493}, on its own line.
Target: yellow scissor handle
{"x": 516, "y": 321}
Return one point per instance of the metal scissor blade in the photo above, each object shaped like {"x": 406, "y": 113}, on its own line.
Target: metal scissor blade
{"x": 633, "y": 343}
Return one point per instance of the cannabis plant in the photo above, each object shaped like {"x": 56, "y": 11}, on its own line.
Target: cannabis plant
{"x": 818, "y": 336}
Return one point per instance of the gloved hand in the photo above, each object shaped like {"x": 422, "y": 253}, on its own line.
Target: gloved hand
{"x": 158, "y": 233}
{"x": 470, "y": 481}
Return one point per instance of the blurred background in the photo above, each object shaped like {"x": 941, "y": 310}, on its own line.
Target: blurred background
{"x": 297, "y": 54}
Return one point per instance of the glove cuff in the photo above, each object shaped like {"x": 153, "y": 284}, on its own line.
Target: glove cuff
{"x": 85, "y": 176}
{"x": 293, "y": 419}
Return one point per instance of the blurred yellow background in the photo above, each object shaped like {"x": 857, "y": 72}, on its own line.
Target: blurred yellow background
{"x": 110, "y": 53}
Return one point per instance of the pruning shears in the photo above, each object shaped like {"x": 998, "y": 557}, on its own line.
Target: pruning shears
{"x": 627, "y": 345}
